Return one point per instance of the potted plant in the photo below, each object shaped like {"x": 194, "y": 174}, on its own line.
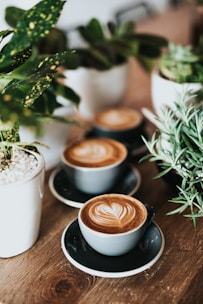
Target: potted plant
{"x": 100, "y": 75}
{"x": 179, "y": 68}
{"x": 57, "y": 100}
{"x": 23, "y": 84}
{"x": 177, "y": 147}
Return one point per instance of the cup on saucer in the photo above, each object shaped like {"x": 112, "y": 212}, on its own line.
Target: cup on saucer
{"x": 120, "y": 123}
{"x": 94, "y": 164}
{"x": 113, "y": 224}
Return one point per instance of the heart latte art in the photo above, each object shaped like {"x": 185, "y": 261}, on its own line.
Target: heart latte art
{"x": 112, "y": 214}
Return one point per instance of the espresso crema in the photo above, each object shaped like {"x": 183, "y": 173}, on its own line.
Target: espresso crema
{"x": 118, "y": 118}
{"x": 95, "y": 152}
{"x": 113, "y": 213}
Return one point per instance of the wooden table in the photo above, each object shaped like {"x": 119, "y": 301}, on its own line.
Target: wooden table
{"x": 43, "y": 274}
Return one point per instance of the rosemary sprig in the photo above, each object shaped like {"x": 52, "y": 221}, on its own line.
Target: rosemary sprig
{"x": 178, "y": 146}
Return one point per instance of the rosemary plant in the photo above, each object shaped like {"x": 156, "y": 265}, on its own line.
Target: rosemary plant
{"x": 177, "y": 146}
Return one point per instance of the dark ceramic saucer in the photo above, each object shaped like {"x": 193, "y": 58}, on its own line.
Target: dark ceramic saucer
{"x": 82, "y": 256}
{"x": 66, "y": 192}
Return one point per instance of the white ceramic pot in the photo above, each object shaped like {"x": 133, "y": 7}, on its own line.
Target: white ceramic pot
{"x": 165, "y": 92}
{"x": 20, "y": 212}
{"x": 54, "y": 136}
{"x": 98, "y": 89}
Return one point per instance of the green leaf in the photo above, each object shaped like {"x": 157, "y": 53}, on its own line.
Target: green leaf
{"x": 13, "y": 14}
{"x": 29, "y": 29}
{"x": 93, "y": 57}
{"x": 37, "y": 79}
{"x": 92, "y": 32}
{"x": 125, "y": 29}
{"x": 68, "y": 93}
{"x": 4, "y": 34}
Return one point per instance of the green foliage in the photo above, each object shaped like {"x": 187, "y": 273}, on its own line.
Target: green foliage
{"x": 177, "y": 146}
{"x": 113, "y": 44}
{"x": 55, "y": 41}
{"x": 28, "y": 78}
{"x": 183, "y": 63}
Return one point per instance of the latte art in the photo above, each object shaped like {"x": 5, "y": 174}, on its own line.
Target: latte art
{"x": 118, "y": 118}
{"x": 113, "y": 214}
{"x": 95, "y": 152}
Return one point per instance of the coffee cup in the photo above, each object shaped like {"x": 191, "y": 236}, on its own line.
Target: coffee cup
{"x": 119, "y": 123}
{"x": 94, "y": 164}
{"x": 113, "y": 224}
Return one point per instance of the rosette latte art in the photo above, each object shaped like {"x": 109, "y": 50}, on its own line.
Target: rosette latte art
{"x": 95, "y": 152}
{"x": 113, "y": 215}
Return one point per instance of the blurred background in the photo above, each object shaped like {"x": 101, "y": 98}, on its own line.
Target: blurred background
{"x": 79, "y": 11}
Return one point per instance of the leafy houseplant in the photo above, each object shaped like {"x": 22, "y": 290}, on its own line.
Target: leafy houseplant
{"x": 100, "y": 71}
{"x": 179, "y": 68}
{"x": 112, "y": 44}
{"x": 47, "y": 105}
{"x": 177, "y": 148}
{"x": 23, "y": 83}
{"x": 182, "y": 63}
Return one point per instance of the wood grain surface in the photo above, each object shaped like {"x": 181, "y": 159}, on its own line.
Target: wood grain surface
{"x": 43, "y": 275}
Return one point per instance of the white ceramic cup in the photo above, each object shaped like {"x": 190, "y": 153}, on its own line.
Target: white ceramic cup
{"x": 113, "y": 224}
{"x": 94, "y": 165}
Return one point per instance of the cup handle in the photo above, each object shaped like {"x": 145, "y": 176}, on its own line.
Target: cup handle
{"x": 150, "y": 216}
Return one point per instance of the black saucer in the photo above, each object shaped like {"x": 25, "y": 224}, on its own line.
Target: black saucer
{"x": 66, "y": 192}
{"x": 82, "y": 256}
{"x": 135, "y": 145}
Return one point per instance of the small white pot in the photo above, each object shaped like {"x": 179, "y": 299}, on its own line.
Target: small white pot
{"x": 20, "y": 212}
{"x": 54, "y": 136}
{"x": 165, "y": 92}
{"x": 98, "y": 89}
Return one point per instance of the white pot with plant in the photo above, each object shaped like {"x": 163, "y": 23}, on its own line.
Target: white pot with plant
{"x": 178, "y": 69}
{"x": 100, "y": 71}
{"x": 58, "y": 101}
{"x": 21, "y": 190}
{"x": 177, "y": 148}
{"x": 24, "y": 85}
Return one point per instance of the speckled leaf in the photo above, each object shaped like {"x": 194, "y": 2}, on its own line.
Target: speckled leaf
{"x": 37, "y": 79}
{"x": 35, "y": 24}
{"x": 9, "y": 63}
{"x": 5, "y": 33}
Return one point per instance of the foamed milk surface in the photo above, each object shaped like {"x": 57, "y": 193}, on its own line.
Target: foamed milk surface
{"x": 95, "y": 153}
{"x": 113, "y": 215}
{"x": 118, "y": 118}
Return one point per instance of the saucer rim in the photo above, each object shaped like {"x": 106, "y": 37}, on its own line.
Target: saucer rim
{"x": 106, "y": 274}
{"x": 77, "y": 204}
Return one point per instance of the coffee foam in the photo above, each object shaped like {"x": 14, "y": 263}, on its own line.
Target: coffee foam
{"x": 113, "y": 214}
{"x": 118, "y": 118}
{"x": 95, "y": 152}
